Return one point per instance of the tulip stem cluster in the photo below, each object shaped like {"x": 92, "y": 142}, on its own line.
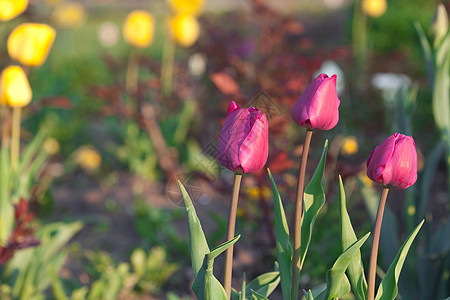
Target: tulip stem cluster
{"x": 375, "y": 243}
{"x": 298, "y": 217}
{"x": 15, "y": 137}
{"x": 230, "y": 234}
{"x": 6, "y": 114}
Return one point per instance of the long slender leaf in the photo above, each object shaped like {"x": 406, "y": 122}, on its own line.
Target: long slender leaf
{"x": 337, "y": 282}
{"x": 309, "y": 296}
{"x": 6, "y": 208}
{"x": 205, "y": 285}
{"x": 264, "y": 284}
{"x": 355, "y": 269}
{"x": 283, "y": 244}
{"x": 313, "y": 200}
{"x": 197, "y": 239}
{"x": 427, "y": 52}
{"x": 388, "y": 286}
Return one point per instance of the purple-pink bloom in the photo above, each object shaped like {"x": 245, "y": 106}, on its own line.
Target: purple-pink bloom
{"x": 244, "y": 140}
{"x": 318, "y": 106}
{"x": 394, "y": 162}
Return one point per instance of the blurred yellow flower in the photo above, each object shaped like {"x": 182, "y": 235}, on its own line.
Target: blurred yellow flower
{"x": 69, "y": 15}
{"x": 188, "y": 6}
{"x": 184, "y": 29}
{"x": 88, "y": 158}
{"x": 53, "y": 2}
{"x": 350, "y": 145}
{"x": 374, "y": 8}
{"x": 29, "y": 43}
{"x": 138, "y": 29}
{"x": 365, "y": 179}
{"x": 257, "y": 192}
{"x": 51, "y": 146}
{"x": 12, "y": 8}
{"x": 15, "y": 91}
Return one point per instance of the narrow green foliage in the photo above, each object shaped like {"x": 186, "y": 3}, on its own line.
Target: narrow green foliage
{"x": 258, "y": 296}
{"x": 199, "y": 246}
{"x": 263, "y": 285}
{"x": 355, "y": 269}
{"x": 283, "y": 244}
{"x": 337, "y": 282}
{"x": 29, "y": 270}
{"x": 388, "y": 286}
{"x": 205, "y": 285}
{"x": 6, "y": 208}
{"x": 313, "y": 200}
{"x": 427, "y": 52}
{"x": 309, "y": 296}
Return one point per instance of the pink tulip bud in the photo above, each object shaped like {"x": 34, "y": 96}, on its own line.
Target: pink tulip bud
{"x": 394, "y": 162}
{"x": 244, "y": 141}
{"x": 318, "y": 106}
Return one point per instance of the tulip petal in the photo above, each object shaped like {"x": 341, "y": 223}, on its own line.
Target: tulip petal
{"x": 318, "y": 106}
{"x": 255, "y": 148}
{"x": 394, "y": 162}
{"x": 232, "y": 107}
{"x": 379, "y": 158}
{"x": 234, "y": 131}
{"x": 403, "y": 163}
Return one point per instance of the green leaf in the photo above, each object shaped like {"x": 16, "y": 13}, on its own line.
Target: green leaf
{"x": 313, "y": 200}
{"x": 243, "y": 293}
{"x": 441, "y": 96}
{"x": 283, "y": 244}
{"x": 355, "y": 269}
{"x": 427, "y": 52}
{"x": 205, "y": 285}
{"x": 258, "y": 296}
{"x": 388, "y": 286}
{"x": 139, "y": 261}
{"x": 310, "y": 295}
{"x": 6, "y": 207}
{"x": 57, "y": 286}
{"x": 264, "y": 284}
{"x": 337, "y": 282}
{"x": 197, "y": 239}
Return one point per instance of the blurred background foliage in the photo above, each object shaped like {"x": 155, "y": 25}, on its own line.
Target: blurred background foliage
{"x": 105, "y": 165}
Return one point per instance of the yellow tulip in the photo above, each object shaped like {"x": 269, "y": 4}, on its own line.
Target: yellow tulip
{"x": 138, "y": 29}
{"x": 29, "y": 43}
{"x": 188, "y": 6}
{"x": 374, "y": 8}
{"x": 350, "y": 146}
{"x": 184, "y": 29}
{"x": 12, "y": 8}
{"x": 69, "y": 15}
{"x": 15, "y": 91}
{"x": 88, "y": 158}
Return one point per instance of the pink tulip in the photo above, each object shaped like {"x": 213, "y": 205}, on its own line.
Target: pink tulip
{"x": 394, "y": 162}
{"x": 244, "y": 141}
{"x": 318, "y": 106}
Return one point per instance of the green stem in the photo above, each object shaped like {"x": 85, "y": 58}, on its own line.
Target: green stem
{"x": 15, "y": 138}
{"x": 167, "y": 66}
{"x": 230, "y": 234}
{"x": 296, "y": 267}
{"x": 375, "y": 243}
